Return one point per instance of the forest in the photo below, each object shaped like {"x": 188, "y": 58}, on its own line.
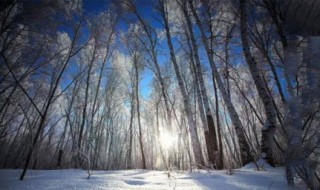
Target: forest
{"x": 169, "y": 85}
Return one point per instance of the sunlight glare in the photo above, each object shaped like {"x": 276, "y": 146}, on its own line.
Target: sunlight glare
{"x": 167, "y": 140}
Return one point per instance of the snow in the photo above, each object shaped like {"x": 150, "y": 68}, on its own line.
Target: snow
{"x": 245, "y": 178}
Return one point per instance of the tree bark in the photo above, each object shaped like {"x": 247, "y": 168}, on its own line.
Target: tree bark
{"x": 206, "y": 117}
{"x": 84, "y": 113}
{"x": 48, "y": 104}
{"x": 269, "y": 127}
{"x": 244, "y": 146}
{"x": 151, "y": 48}
{"x": 193, "y": 138}
{"x": 135, "y": 62}
{"x": 129, "y": 151}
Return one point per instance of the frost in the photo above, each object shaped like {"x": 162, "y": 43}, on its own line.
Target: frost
{"x": 64, "y": 42}
{"x": 70, "y": 6}
{"x": 161, "y": 34}
{"x": 121, "y": 63}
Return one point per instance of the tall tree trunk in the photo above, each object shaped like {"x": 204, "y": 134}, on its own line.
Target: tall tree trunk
{"x": 48, "y": 104}
{"x": 206, "y": 117}
{"x": 269, "y": 127}
{"x": 244, "y": 146}
{"x": 220, "y": 165}
{"x": 135, "y": 62}
{"x": 193, "y": 138}
{"x": 151, "y": 48}
{"x": 208, "y": 137}
{"x": 67, "y": 112}
{"x": 129, "y": 151}
{"x": 84, "y": 113}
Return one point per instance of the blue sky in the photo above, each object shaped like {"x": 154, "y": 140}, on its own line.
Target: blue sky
{"x": 94, "y": 5}
{"x": 144, "y": 8}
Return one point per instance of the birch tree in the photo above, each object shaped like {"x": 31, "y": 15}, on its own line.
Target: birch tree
{"x": 269, "y": 127}
{"x": 193, "y": 138}
{"x": 205, "y": 112}
{"x": 244, "y": 146}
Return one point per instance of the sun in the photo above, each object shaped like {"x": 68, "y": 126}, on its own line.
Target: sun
{"x": 167, "y": 140}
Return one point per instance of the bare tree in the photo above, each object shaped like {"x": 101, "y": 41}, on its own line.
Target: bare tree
{"x": 193, "y": 138}
{"x": 205, "y": 111}
{"x": 244, "y": 146}
{"x": 269, "y": 127}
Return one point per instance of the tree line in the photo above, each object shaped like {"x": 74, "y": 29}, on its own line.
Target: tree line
{"x": 230, "y": 81}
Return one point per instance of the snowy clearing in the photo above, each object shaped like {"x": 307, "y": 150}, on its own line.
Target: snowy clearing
{"x": 245, "y": 178}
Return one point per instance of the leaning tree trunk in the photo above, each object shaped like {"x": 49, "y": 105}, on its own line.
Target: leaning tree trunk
{"x": 209, "y": 139}
{"x": 84, "y": 115}
{"x": 143, "y": 157}
{"x": 193, "y": 138}
{"x": 47, "y": 106}
{"x": 129, "y": 151}
{"x": 151, "y": 48}
{"x": 67, "y": 112}
{"x": 246, "y": 156}
{"x": 206, "y": 117}
{"x": 269, "y": 127}
{"x": 221, "y": 162}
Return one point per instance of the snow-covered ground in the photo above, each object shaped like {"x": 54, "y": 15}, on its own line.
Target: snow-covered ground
{"x": 245, "y": 178}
